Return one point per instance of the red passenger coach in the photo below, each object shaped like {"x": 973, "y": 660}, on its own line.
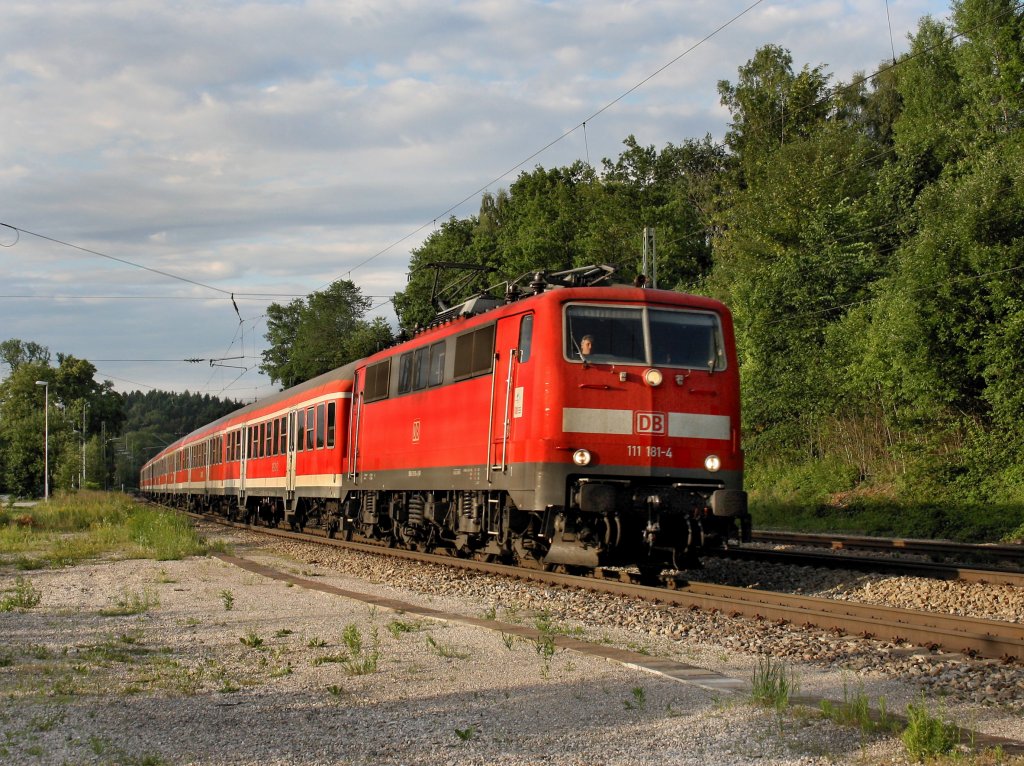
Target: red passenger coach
{"x": 567, "y": 425}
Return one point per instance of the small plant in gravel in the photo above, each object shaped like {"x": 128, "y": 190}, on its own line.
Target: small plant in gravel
{"x": 639, "y": 701}
{"x": 283, "y": 632}
{"x": 131, "y": 602}
{"x": 360, "y": 661}
{"x": 252, "y": 639}
{"x": 448, "y": 651}
{"x": 24, "y": 595}
{"x": 926, "y": 735}
{"x": 397, "y": 627}
{"x": 466, "y": 734}
{"x": 545, "y": 641}
{"x": 855, "y": 710}
{"x": 509, "y": 640}
{"x": 772, "y": 684}
{"x": 228, "y": 599}
{"x": 316, "y": 643}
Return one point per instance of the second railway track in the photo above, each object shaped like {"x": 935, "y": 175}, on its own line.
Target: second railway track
{"x": 970, "y": 636}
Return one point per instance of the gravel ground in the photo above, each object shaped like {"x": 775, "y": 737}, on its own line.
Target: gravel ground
{"x": 198, "y": 661}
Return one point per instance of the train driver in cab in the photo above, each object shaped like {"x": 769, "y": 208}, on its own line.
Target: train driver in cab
{"x": 586, "y": 347}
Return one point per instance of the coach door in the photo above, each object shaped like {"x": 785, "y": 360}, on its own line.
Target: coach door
{"x": 289, "y": 481}
{"x": 243, "y": 434}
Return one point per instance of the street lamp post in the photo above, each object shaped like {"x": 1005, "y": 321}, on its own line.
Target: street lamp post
{"x": 46, "y": 438}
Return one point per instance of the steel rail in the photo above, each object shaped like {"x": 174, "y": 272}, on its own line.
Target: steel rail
{"x": 967, "y": 635}
{"x": 1002, "y": 551}
{"x": 931, "y": 570}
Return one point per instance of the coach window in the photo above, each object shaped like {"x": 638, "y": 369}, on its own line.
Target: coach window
{"x": 300, "y": 431}
{"x": 254, "y": 441}
{"x": 310, "y": 437}
{"x": 321, "y": 428}
{"x": 283, "y": 444}
{"x": 270, "y": 438}
{"x": 525, "y": 338}
{"x": 331, "y": 412}
{"x": 437, "y": 364}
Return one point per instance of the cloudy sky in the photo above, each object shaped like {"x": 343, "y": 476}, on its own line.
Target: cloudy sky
{"x": 267, "y": 148}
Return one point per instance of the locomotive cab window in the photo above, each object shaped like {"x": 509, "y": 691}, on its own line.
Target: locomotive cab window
{"x": 640, "y": 335}
{"x": 686, "y": 339}
{"x": 605, "y": 334}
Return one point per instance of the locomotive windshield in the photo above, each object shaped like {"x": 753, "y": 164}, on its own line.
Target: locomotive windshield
{"x": 620, "y": 335}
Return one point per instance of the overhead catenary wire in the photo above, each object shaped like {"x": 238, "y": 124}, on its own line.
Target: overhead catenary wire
{"x": 563, "y": 136}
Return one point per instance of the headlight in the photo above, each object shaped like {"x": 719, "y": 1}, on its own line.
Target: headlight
{"x": 712, "y": 463}
{"x": 581, "y": 457}
{"x": 653, "y": 377}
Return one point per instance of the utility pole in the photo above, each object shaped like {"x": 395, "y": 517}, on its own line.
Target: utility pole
{"x": 650, "y": 262}
{"x": 85, "y": 408}
{"x": 46, "y": 438}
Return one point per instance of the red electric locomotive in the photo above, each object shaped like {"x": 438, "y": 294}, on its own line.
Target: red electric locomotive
{"x": 568, "y": 425}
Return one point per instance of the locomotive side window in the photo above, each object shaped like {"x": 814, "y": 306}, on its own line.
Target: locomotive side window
{"x": 331, "y": 416}
{"x": 474, "y": 353}
{"x": 378, "y": 378}
{"x": 686, "y": 339}
{"x": 422, "y": 367}
{"x": 320, "y": 426}
{"x": 525, "y": 338}
{"x": 405, "y": 374}
{"x": 436, "y": 364}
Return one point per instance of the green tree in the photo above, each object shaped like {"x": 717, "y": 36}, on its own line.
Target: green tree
{"x": 324, "y": 331}
{"x": 74, "y": 396}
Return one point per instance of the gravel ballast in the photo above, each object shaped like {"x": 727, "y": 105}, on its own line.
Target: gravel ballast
{"x": 222, "y": 666}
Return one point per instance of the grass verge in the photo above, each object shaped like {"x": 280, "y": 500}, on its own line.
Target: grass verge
{"x": 90, "y": 525}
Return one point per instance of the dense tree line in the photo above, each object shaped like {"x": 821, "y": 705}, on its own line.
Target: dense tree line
{"x": 98, "y": 438}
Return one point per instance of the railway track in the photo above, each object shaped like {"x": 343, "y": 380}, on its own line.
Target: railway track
{"x": 933, "y": 570}
{"x": 1012, "y": 554}
{"x": 970, "y": 636}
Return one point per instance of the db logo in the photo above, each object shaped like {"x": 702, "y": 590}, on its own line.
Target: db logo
{"x": 649, "y": 422}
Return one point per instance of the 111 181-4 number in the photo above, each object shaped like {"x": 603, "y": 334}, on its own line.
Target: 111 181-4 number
{"x": 639, "y": 450}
